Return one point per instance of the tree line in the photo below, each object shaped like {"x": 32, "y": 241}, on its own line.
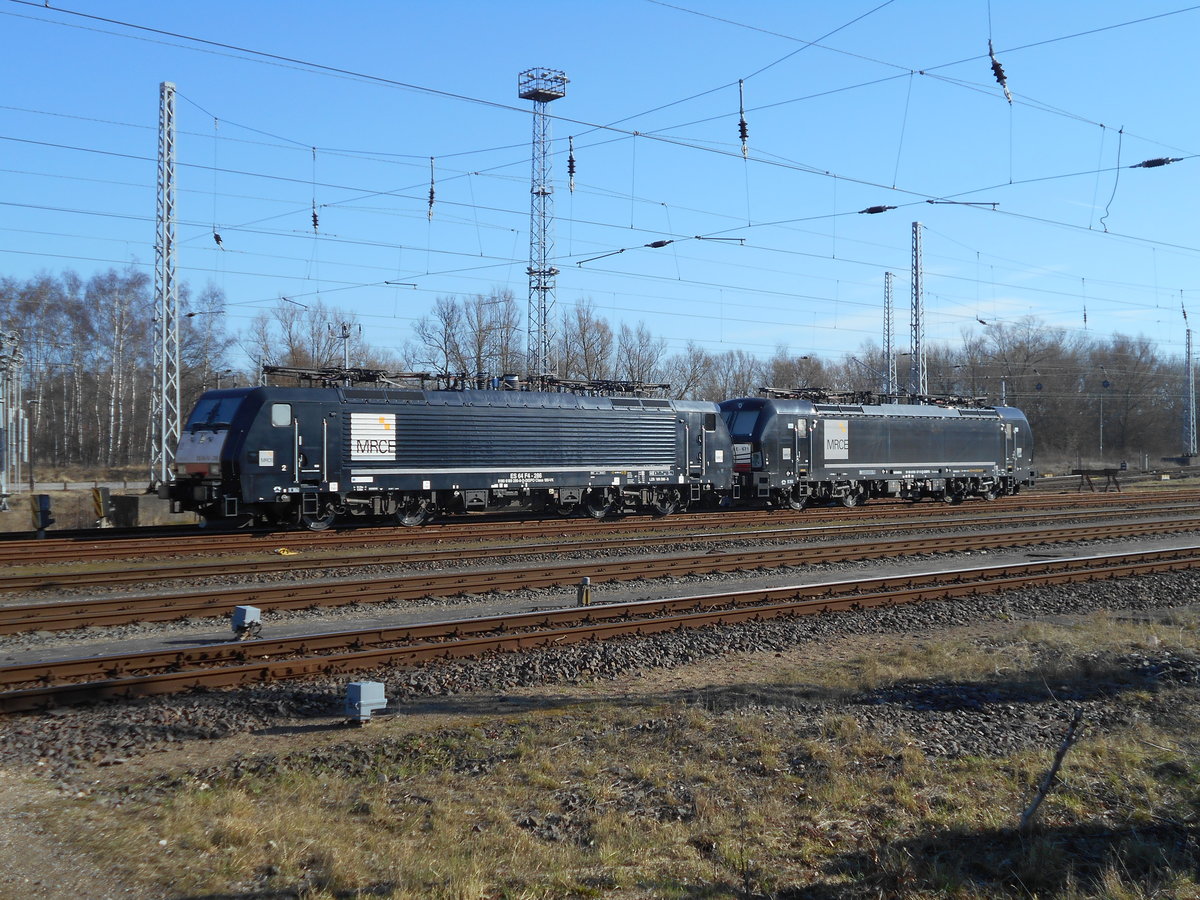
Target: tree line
{"x": 87, "y": 375}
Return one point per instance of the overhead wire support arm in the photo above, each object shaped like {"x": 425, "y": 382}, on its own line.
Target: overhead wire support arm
{"x": 964, "y": 203}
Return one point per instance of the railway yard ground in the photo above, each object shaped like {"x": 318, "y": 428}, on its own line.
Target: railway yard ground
{"x": 1039, "y": 740}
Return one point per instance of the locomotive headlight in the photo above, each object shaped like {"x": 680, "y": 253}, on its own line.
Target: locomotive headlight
{"x": 214, "y": 468}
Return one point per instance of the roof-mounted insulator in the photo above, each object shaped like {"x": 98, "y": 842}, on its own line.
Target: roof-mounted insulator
{"x": 998, "y": 71}
{"x": 571, "y": 163}
{"x": 431, "y": 189}
{"x": 1155, "y": 163}
{"x": 873, "y": 210}
{"x": 743, "y": 129}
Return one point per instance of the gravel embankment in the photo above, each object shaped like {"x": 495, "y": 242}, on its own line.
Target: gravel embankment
{"x": 951, "y": 720}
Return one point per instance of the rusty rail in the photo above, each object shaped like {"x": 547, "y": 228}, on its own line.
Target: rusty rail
{"x": 153, "y": 574}
{"x": 97, "y": 546}
{"x": 228, "y": 665}
{"x": 221, "y": 601}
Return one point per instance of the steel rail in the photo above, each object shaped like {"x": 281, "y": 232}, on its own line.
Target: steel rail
{"x": 125, "y": 675}
{"x": 98, "y": 546}
{"x": 60, "y": 578}
{"x": 221, "y": 601}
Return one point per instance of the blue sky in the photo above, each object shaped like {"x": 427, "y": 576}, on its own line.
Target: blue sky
{"x": 895, "y": 105}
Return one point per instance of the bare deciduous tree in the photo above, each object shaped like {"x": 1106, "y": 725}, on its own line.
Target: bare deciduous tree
{"x": 587, "y": 343}
{"x": 639, "y": 354}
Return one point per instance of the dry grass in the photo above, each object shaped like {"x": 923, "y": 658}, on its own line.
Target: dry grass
{"x": 712, "y": 800}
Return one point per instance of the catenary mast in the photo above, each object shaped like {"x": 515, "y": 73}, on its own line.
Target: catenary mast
{"x": 918, "y": 378}
{"x": 164, "y": 400}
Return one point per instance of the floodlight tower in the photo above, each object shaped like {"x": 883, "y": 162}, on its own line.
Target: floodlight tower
{"x": 541, "y": 86}
{"x": 164, "y": 400}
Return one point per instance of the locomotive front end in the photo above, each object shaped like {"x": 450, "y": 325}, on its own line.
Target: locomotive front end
{"x": 203, "y": 465}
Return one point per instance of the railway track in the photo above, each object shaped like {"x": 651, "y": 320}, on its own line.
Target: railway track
{"x": 98, "y": 546}
{"x": 221, "y": 601}
{"x": 585, "y": 541}
{"x": 42, "y": 685}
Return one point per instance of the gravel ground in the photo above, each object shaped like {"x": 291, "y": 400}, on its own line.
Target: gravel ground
{"x": 71, "y": 748}
{"x": 22, "y": 648}
{"x": 63, "y": 743}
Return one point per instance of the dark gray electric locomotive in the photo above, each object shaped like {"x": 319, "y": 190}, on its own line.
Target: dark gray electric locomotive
{"x": 796, "y": 452}
{"x": 308, "y": 455}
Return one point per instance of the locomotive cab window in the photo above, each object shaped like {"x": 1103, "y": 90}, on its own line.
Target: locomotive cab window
{"x": 281, "y": 414}
{"x": 741, "y": 421}
{"x": 710, "y": 421}
{"x": 213, "y": 412}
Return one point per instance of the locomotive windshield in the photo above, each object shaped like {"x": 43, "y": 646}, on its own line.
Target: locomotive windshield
{"x": 741, "y": 422}
{"x": 212, "y": 412}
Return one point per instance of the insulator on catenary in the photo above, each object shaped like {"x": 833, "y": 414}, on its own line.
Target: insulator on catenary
{"x": 314, "y": 217}
{"x": 659, "y": 243}
{"x": 1155, "y": 163}
{"x": 872, "y": 210}
{"x": 743, "y": 128}
{"x": 998, "y": 71}
{"x": 431, "y": 188}
{"x": 571, "y": 163}
{"x": 217, "y": 238}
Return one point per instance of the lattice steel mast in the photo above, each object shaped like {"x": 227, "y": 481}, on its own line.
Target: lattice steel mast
{"x": 541, "y": 86}
{"x": 918, "y": 376}
{"x": 164, "y": 401}
{"x": 14, "y": 427}
{"x": 889, "y": 346}
{"x": 1189, "y": 414}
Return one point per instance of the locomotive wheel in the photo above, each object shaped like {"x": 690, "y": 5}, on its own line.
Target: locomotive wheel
{"x": 852, "y": 500}
{"x": 598, "y": 505}
{"x": 317, "y": 522}
{"x": 798, "y": 501}
{"x": 991, "y": 494}
{"x": 413, "y": 513}
{"x": 665, "y": 504}
{"x": 952, "y": 497}
{"x": 565, "y": 510}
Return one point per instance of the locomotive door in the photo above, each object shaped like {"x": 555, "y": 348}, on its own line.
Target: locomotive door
{"x": 311, "y": 449}
{"x": 695, "y": 456}
{"x": 801, "y": 448}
